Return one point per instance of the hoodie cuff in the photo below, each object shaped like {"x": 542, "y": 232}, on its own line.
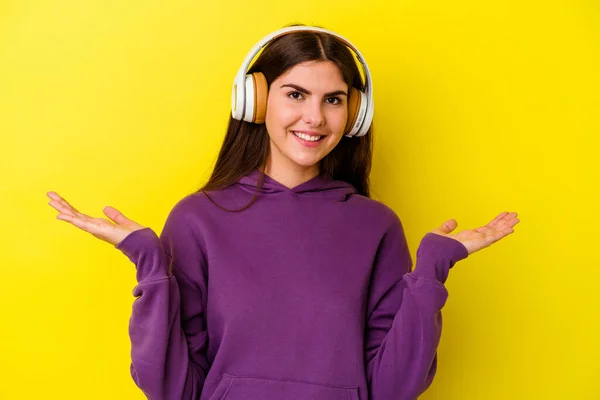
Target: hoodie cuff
{"x": 144, "y": 248}
{"x": 436, "y": 255}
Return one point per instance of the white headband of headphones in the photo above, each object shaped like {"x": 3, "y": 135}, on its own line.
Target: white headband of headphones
{"x": 239, "y": 81}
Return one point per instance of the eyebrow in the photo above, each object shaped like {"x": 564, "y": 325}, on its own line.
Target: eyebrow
{"x": 306, "y": 91}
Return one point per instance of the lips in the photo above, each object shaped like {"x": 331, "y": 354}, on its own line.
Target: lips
{"x": 308, "y": 138}
{"x": 310, "y": 133}
{"x": 305, "y": 140}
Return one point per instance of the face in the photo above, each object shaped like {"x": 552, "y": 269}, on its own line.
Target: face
{"x": 306, "y": 114}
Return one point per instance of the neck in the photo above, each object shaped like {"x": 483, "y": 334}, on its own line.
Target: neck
{"x": 290, "y": 175}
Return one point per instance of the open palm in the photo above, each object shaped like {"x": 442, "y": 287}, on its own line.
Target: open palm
{"x": 479, "y": 238}
{"x": 112, "y": 232}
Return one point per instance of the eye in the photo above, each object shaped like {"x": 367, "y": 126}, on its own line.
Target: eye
{"x": 296, "y": 95}
{"x": 336, "y": 100}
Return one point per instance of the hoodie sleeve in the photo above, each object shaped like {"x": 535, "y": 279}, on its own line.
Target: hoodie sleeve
{"x": 404, "y": 313}
{"x": 167, "y": 325}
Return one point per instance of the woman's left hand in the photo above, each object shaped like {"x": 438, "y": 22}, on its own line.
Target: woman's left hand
{"x": 479, "y": 238}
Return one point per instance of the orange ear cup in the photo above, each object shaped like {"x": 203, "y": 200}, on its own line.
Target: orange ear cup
{"x": 261, "y": 92}
{"x": 353, "y": 107}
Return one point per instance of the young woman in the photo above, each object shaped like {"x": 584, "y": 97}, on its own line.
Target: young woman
{"x": 281, "y": 279}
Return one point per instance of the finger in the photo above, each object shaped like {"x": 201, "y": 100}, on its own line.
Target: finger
{"x": 88, "y": 225}
{"x": 507, "y": 223}
{"x": 495, "y": 220}
{"x": 448, "y": 226}
{"x": 78, "y": 222}
{"x": 496, "y": 235}
{"x": 510, "y": 216}
{"x": 67, "y": 204}
{"x": 115, "y": 215}
{"x": 60, "y": 200}
{"x": 67, "y": 210}
{"x": 493, "y": 236}
{"x": 61, "y": 207}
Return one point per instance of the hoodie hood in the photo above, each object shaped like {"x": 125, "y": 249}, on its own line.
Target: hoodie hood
{"x": 315, "y": 187}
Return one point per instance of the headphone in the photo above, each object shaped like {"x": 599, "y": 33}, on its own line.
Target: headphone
{"x": 250, "y": 91}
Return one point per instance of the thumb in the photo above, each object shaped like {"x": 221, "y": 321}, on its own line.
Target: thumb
{"x": 115, "y": 215}
{"x": 447, "y": 226}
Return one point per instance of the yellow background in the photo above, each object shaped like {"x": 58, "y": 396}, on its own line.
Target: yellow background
{"x": 481, "y": 107}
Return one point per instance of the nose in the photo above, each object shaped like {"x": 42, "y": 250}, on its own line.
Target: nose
{"x": 313, "y": 113}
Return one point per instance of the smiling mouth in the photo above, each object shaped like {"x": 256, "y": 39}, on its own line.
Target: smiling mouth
{"x": 308, "y": 138}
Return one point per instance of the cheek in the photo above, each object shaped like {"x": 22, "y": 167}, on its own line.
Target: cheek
{"x": 338, "y": 119}
{"x": 281, "y": 114}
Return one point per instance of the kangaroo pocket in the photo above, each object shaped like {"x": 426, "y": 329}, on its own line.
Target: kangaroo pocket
{"x": 234, "y": 387}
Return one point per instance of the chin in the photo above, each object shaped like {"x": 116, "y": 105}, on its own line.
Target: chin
{"x": 305, "y": 163}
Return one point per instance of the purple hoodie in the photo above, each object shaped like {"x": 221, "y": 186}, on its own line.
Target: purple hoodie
{"x": 307, "y": 294}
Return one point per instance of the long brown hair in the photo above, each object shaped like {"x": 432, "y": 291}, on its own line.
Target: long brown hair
{"x": 245, "y": 147}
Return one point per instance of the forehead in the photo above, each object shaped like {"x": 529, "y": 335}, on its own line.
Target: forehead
{"x": 319, "y": 72}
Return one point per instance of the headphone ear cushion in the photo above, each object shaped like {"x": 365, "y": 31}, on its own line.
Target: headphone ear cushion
{"x": 353, "y": 107}
{"x": 261, "y": 93}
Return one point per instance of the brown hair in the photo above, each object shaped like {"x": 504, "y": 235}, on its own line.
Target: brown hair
{"x": 246, "y": 145}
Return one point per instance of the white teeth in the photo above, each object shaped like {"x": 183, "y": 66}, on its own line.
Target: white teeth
{"x": 307, "y": 137}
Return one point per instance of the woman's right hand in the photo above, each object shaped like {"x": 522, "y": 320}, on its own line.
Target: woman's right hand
{"x": 101, "y": 228}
